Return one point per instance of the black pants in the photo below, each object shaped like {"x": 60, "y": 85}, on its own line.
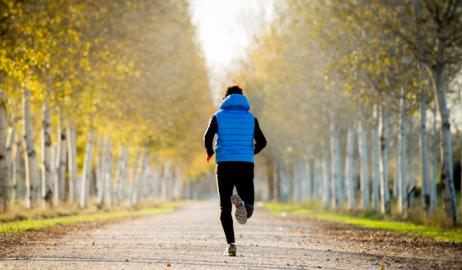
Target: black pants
{"x": 229, "y": 175}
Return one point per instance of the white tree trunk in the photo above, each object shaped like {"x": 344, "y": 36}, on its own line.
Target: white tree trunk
{"x": 32, "y": 173}
{"x": 15, "y": 164}
{"x": 336, "y": 169}
{"x": 117, "y": 179}
{"x": 364, "y": 159}
{"x": 100, "y": 171}
{"x": 166, "y": 181}
{"x": 72, "y": 163}
{"x": 326, "y": 180}
{"x": 61, "y": 159}
{"x": 108, "y": 174}
{"x": 396, "y": 176}
{"x": 409, "y": 163}
{"x": 402, "y": 147}
{"x": 47, "y": 184}
{"x": 3, "y": 155}
{"x": 317, "y": 179}
{"x": 294, "y": 185}
{"x": 307, "y": 169}
{"x": 424, "y": 155}
{"x": 145, "y": 177}
{"x": 435, "y": 162}
{"x": 54, "y": 176}
{"x": 375, "y": 147}
{"x": 134, "y": 183}
{"x": 121, "y": 177}
{"x": 385, "y": 206}
{"x": 447, "y": 177}
{"x": 85, "y": 190}
{"x": 349, "y": 181}
{"x": 10, "y": 141}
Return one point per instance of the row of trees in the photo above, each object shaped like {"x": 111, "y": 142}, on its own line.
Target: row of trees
{"x": 349, "y": 86}
{"x": 103, "y": 87}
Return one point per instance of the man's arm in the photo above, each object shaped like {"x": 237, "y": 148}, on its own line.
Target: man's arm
{"x": 209, "y": 134}
{"x": 260, "y": 140}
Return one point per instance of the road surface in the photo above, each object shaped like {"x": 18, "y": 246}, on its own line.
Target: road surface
{"x": 192, "y": 238}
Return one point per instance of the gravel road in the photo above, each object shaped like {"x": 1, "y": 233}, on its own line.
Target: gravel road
{"x": 191, "y": 238}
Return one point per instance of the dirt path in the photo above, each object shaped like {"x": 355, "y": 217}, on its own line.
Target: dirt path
{"x": 192, "y": 238}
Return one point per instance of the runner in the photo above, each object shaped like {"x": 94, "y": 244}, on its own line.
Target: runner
{"x": 236, "y": 130}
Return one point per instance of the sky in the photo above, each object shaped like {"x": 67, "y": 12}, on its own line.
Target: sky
{"x": 224, "y": 31}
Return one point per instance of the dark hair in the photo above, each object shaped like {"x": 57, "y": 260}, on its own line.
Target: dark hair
{"x": 233, "y": 90}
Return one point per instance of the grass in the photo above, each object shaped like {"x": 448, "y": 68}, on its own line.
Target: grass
{"x": 42, "y": 223}
{"x": 372, "y": 221}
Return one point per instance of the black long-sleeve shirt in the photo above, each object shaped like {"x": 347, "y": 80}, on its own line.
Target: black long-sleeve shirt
{"x": 260, "y": 140}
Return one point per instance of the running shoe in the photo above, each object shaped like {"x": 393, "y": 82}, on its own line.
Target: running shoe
{"x": 241, "y": 212}
{"x": 231, "y": 250}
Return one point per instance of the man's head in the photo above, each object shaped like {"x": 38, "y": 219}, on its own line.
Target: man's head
{"x": 233, "y": 90}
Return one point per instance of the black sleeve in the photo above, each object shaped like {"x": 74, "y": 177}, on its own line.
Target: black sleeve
{"x": 260, "y": 140}
{"x": 210, "y": 134}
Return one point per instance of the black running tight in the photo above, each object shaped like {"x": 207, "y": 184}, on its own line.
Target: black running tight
{"x": 229, "y": 175}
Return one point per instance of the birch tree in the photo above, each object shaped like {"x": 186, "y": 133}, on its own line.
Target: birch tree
{"x": 363, "y": 155}
{"x": 32, "y": 174}
{"x": 72, "y": 163}
{"x": 84, "y": 190}
{"x": 47, "y": 184}
{"x": 3, "y": 155}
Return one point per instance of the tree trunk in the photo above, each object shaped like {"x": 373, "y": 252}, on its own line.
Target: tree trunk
{"x": 424, "y": 155}
{"x": 293, "y": 181}
{"x": 435, "y": 161}
{"x": 47, "y": 187}
{"x": 336, "y": 169}
{"x": 15, "y": 164}
{"x": 134, "y": 182}
{"x": 10, "y": 141}
{"x": 121, "y": 176}
{"x": 61, "y": 159}
{"x": 308, "y": 169}
{"x": 402, "y": 192}
{"x": 276, "y": 181}
{"x": 84, "y": 190}
{"x": 363, "y": 156}
{"x": 447, "y": 178}
{"x": 326, "y": 180}
{"x": 376, "y": 159}
{"x": 32, "y": 173}
{"x": 3, "y": 155}
{"x": 385, "y": 206}
{"x": 396, "y": 176}
{"x": 143, "y": 178}
{"x": 108, "y": 174}
{"x": 349, "y": 177}
{"x": 409, "y": 163}
{"x": 317, "y": 179}
{"x": 270, "y": 179}
{"x": 72, "y": 163}
{"x": 100, "y": 172}
{"x": 54, "y": 176}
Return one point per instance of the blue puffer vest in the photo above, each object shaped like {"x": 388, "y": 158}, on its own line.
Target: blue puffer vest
{"x": 235, "y": 130}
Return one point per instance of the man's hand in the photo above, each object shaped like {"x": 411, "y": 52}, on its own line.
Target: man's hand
{"x": 207, "y": 157}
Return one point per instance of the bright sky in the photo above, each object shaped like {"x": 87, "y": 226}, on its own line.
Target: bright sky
{"x": 225, "y": 29}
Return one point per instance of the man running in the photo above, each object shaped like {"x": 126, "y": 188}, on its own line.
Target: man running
{"x": 236, "y": 130}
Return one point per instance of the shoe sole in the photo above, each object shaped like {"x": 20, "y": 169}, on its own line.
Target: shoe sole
{"x": 241, "y": 212}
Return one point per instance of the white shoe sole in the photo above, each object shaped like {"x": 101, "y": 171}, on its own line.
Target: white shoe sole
{"x": 241, "y": 212}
